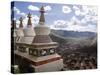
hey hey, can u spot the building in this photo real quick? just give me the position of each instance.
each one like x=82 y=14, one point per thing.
x=29 y=32
x=41 y=56
x=19 y=31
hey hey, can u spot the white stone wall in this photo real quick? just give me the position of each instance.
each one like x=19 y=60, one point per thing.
x=52 y=66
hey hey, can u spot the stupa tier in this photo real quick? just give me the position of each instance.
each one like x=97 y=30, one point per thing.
x=41 y=52
x=19 y=31
x=44 y=49
x=29 y=34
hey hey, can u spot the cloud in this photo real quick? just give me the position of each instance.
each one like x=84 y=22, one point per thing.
x=83 y=21
x=23 y=14
x=47 y=8
x=66 y=9
x=33 y=8
x=74 y=21
x=89 y=13
x=18 y=12
x=85 y=10
x=63 y=24
x=89 y=18
x=74 y=24
x=91 y=10
x=59 y=24
x=34 y=20
x=78 y=12
x=75 y=8
x=82 y=28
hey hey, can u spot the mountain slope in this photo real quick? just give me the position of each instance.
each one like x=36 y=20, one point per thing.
x=70 y=43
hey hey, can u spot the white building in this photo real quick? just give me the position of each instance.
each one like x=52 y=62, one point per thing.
x=29 y=32
x=41 y=54
x=43 y=49
x=19 y=31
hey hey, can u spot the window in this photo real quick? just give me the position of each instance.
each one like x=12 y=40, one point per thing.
x=22 y=49
x=43 y=52
x=30 y=52
x=51 y=50
x=33 y=52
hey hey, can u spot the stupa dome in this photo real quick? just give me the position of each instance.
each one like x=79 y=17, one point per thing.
x=42 y=30
x=29 y=30
x=19 y=31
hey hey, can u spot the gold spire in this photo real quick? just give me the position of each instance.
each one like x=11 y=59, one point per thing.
x=21 y=22
x=42 y=18
x=29 y=19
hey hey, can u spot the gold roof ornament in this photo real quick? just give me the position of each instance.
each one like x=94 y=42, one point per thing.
x=42 y=18
x=29 y=20
x=21 y=22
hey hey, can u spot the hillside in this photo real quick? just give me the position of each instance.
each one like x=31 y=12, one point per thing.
x=73 y=42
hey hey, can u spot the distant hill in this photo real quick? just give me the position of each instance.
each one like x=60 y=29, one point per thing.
x=74 y=34
x=71 y=40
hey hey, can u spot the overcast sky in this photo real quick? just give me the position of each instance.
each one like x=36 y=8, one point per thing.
x=59 y=16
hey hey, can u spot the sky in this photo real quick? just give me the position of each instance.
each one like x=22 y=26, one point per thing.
x=59 y=16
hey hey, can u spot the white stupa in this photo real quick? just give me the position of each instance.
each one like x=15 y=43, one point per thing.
x=41 y=54
x=19 y=31
x=43 y=49
x=29 y=32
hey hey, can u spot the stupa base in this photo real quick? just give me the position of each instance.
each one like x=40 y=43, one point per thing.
x=49 y=67
x=48 y=63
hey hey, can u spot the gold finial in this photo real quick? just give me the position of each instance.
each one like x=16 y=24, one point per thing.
x=42 y=18
x=29 y=15
x=42 y=8
x=21 y=22
x=29 y=19
x=21 y=19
